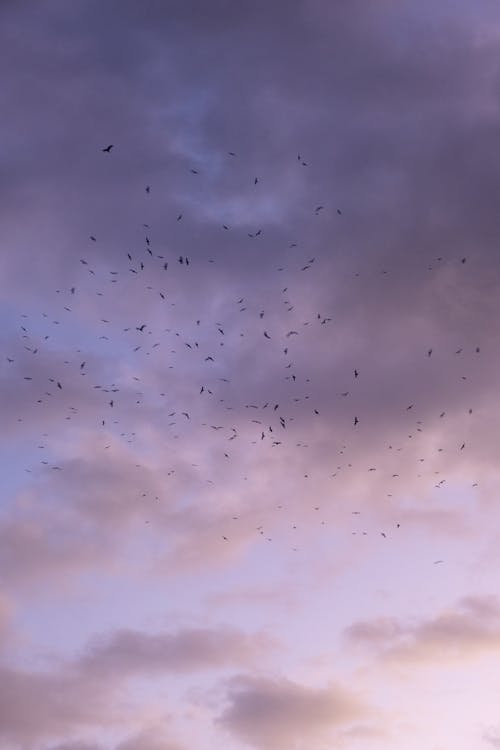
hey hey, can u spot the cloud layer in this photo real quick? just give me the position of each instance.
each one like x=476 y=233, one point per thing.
x=249 y=294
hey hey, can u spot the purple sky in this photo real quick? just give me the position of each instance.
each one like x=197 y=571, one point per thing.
x=249 y=372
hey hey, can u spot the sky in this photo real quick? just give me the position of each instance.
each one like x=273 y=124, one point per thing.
x=249 y=293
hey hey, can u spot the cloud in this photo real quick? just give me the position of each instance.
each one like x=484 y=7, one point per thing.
x=148 y=739
x=129 y=652
x=393 y=108
x=492 y=737
x=6 y=620
x=36 y=705
x=468 y=629
x=82 y=692
x=279 y=713
x=84 y=515
x=402 y=183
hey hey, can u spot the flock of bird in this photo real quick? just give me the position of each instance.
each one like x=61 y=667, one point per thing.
x=213 y=360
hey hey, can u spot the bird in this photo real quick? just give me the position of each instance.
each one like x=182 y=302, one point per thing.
x=107 y=150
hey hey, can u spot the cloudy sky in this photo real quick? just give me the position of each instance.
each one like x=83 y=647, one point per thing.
x=249 y=376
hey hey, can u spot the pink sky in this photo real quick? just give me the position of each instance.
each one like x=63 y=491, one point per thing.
x=250 y=500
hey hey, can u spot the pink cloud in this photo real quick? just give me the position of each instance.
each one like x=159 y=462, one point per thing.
x=469 y=628
x=279 y=713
